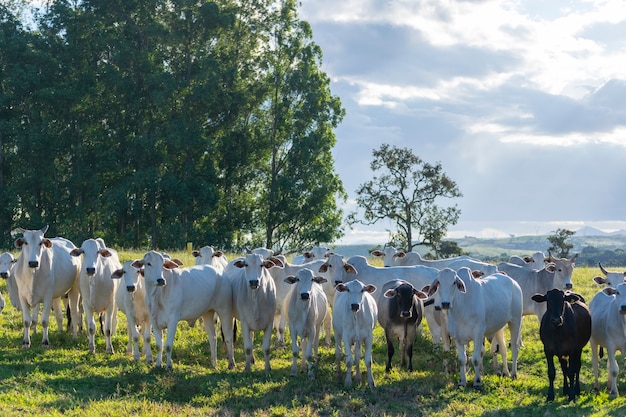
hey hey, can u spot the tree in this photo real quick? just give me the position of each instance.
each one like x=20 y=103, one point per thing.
x=560 y=247
x=406 y=191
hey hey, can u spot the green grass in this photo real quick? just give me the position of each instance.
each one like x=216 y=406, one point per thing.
x=66 y=380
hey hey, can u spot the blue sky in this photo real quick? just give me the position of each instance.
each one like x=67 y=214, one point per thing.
x=522 y=102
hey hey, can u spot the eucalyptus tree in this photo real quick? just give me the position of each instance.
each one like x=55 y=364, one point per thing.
x=406 y=192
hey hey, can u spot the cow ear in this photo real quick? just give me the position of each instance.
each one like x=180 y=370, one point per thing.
x=369 y=288
x=276 y=262
x=117 y=274
x=218 y=253
x=291 y=280
x=599 y=280
x=169 y=264
x=420 y=294
x=76 y=252
x=460 y=285
x=390 y=293
x=137 y=264
x=195 y=253
x=550 y=267
x=240 y=263
x=350 y=269
x=47 y=242
x=377 y=253
x=105 y=253
x=431 y=289
x=609 y=291
x=341 y=287
x=538 y=298
x=323 y=268
x=320 y=280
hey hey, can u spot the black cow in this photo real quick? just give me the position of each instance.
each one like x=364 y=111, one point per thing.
x=400 y=311
x=565 y=330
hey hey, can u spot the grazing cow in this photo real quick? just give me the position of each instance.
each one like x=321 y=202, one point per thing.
x=317 y=252
x=97 y=290
x=393 y=257
x=608 y=330
x=479 y=308
x=306 y=307
x=45 y=271
x=283 y=288
x=254 y=301
x=565 y=329
x=611 y=279
x=354 y=318
x=209 y=256
x=556 y=274
x=174 y=294
x=130 y=299
x=399 y=313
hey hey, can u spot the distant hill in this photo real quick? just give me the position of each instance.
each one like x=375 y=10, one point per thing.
x=592 y=231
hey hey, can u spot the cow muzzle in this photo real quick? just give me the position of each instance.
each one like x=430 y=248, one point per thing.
x=130 y=288
x=557 y=321
x=4 y=275
x=254 y=284
x=406 y=314
x=305 y=296
x=354 y=307
x=91 y=271
x=160 y=282
x=445 y=305
x=569 y=286
x=33 y=264
x=337 y=283
x=622 y=310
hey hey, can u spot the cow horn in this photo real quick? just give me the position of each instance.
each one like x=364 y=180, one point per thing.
x=602 y=269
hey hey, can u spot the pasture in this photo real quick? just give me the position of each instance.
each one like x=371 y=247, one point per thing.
x=66 y=380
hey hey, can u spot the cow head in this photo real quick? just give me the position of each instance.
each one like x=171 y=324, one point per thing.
x=92 y=250
x=387 y=254
x=563 y=269
x=33 y=244
x=556 y=300
x=447 y=284
x=406 y=298
x=619 y=293
x=129 y=274
x=152 y=266
x=354 y=290
x=335 y=267
x=304 y=281
x=612 y=279
x=6 y=263
x=256 y=267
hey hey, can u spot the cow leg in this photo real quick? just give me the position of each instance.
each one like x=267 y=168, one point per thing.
x=147 y=332
x=295 y=351
x=73 y=301
x=328 y=325
x=462 y=356
x=228 y=334
x=368 y=361
x=357 y=361
x=613 y=372
x=280 y=323
x=551 y=375
x=409 y=346
x=110 y=321
x=158 y=339
x=390 y=349
x=169 y=341
x=338 y=353
x=501 y=344
x=575 y=364
x=349 y=362
x=310 y=361
x=45 y=322
x=209 y=327
x=133 y=338
x=594 y=364
x=514 y=329
x=402 y=349
x=58 y=313
x=27 y=322
x=91 y=327
x=477 y=361
x=567 y=378
x=267 y=340
x=247 y=345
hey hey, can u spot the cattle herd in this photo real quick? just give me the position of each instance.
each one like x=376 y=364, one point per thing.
x=461 y=299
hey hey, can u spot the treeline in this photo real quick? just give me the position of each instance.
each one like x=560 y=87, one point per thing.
x=154 y=123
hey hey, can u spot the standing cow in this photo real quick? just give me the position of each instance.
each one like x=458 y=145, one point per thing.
x=479 y=308
x=354 y=318
x=306 y=307
x=400 y=311
x=97 y=290
x=565 y=329
x=130 y=299
x=254 y=301
x=45 y=271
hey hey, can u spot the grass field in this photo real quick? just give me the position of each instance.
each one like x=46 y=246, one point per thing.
x=66 y=380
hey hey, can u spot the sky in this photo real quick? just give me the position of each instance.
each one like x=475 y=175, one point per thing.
x=522 y=102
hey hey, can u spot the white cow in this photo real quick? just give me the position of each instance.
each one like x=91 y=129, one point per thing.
x=7 y=261
x=317 y=252
x=354 y=317
x=97 y=289
x=393 y=257
x=174 y=294
x=556 y=274
x=608 y=329
x=306 y=306
x=479 y=309
x=130 y=299
x=536 y=261
x=209 y=256
x=357 y=267
x=611 y=279
x=254 y=301
x=282 y=289
x=45 y=271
